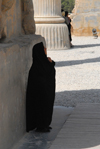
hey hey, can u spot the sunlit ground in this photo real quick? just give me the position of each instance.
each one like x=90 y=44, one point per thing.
x=78 y=72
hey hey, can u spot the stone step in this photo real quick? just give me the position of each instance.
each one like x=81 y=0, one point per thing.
x=81 y=130
x=35 y=140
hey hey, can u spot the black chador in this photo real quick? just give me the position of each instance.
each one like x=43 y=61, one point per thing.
x=40 y=91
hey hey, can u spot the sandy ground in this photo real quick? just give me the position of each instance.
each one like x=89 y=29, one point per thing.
x=78 y=72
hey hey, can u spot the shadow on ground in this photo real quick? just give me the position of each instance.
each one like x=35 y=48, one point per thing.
x=36 y=140
x=62 y=113
x=77 y=62
x=72 y=98
x=86 y=46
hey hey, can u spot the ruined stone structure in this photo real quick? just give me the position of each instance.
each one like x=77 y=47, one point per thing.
x=17 y=38
x=16 y=17
x=16 y=20
x=86 y=16
x=50 y=24
x=16 y=43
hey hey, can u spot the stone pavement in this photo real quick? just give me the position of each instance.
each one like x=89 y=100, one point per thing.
x=35 y=140
x=81 y=130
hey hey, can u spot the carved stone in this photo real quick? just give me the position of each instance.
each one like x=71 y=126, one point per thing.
x=16 y=20
x=28 y=17
x=6 y=5
x=16 y=17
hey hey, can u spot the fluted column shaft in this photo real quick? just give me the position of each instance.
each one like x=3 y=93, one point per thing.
x=50 y=23
x=47 y=8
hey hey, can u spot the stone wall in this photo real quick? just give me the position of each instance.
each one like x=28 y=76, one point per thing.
x=86 y=16
x=16 y=20
x=10 y=18
x=15 y=61
x=16 y=17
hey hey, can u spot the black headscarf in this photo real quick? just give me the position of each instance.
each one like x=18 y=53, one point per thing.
x=40 y=61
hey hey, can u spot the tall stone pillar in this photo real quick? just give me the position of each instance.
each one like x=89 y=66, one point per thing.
x=50 y=24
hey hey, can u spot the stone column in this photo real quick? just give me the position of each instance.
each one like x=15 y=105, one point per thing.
x=50 y=24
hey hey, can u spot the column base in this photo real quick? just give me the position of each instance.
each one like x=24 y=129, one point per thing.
x=56 y=35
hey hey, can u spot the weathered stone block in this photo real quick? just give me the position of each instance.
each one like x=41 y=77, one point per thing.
x=10 y=18
x=16 y=20
x=86 y=16
x=78 y=21
x=16 y=17
x=15 y=61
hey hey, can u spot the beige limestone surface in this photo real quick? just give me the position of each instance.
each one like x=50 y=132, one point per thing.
x=86 y=16
x=15 y=61
x=28 y=23
x=16 y=17
x=16 y=20
x=10 y=14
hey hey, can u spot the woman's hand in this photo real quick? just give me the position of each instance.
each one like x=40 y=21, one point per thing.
x=45 y=51
x=50 y=60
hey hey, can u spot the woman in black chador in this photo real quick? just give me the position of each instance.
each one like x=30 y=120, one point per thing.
x=40 y=91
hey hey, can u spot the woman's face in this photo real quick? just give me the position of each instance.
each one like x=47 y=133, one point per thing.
x=45 y=51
